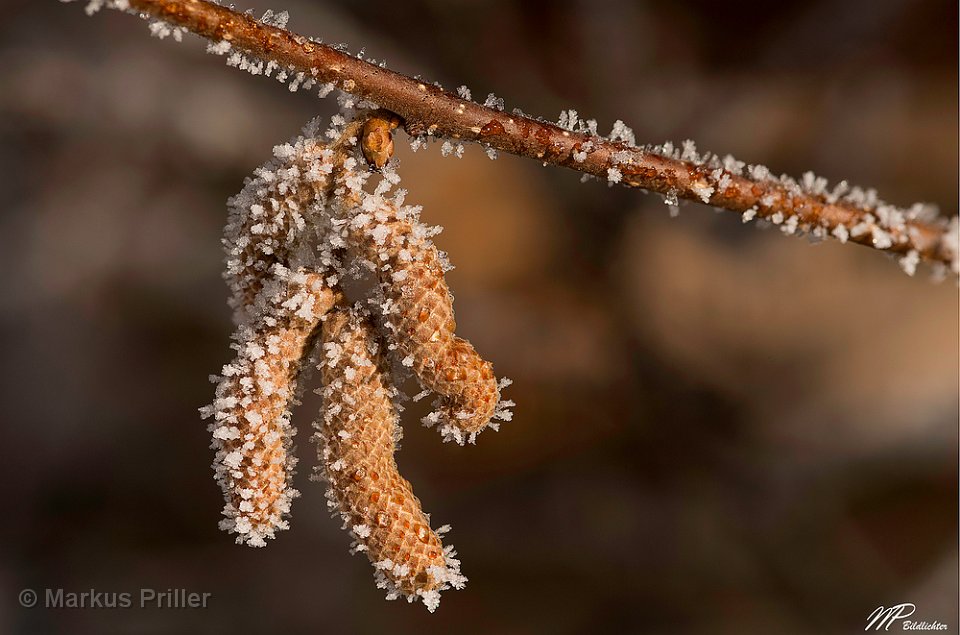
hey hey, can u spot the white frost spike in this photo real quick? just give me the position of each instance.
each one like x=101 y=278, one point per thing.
x=702 y=189
x=160 y=30
x=492 y=101
x=325 y=89
x=622 y=133
x=278 y=20
x=909 y=262
x=790 y=226
x=220 y=48
x=881 y=239
x=689 y=152
x=95 y=5
x=568 y=120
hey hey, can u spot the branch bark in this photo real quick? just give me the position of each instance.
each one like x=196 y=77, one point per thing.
x=429 y=110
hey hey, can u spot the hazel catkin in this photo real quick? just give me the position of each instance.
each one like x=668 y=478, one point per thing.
x=278 y=215
x=251 y=430
x=357 y=433
x=418 y=313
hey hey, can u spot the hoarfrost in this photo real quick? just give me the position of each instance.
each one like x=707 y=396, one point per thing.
x=492 y=101
x=909 y=262
x=702 y=189
x=622 y=133
x=568 y=120
x=278 y=20
x=790 y=226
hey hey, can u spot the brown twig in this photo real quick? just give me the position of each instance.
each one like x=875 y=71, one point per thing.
x=426 y=109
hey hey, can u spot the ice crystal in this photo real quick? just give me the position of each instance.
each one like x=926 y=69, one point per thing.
x=492 y=101
x=789 y=227
x=702 y=189
x=278 y=20
x=568 y=120
x=909 y=262
x=671 y=198
x=622 y=133
x=160 y=30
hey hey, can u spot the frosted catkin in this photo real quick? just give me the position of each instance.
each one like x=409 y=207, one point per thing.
x=278 y=216
x=357 y=433
x=418 y=314
x=252 y=434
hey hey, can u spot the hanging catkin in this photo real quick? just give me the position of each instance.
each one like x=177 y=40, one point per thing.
x=416 y=303
x=277 y=217
x=357 y=433
x=251 y=430
x=288 y=232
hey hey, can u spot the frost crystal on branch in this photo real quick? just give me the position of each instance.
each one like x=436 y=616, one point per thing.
x=263 y=47
x=93 y=6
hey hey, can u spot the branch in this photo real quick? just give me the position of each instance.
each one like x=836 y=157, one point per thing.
x=843 y=212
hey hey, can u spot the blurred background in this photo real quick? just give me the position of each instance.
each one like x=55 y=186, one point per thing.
x=719 y=429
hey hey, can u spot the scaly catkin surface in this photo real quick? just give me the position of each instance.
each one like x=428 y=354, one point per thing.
x=251 y=430
x=277 y=216
x=272 y=226
x=418 y=312
x=357 y=434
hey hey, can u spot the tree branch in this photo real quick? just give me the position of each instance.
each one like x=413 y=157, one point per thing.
x=843 y=212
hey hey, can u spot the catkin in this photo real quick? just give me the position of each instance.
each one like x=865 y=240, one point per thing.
x=357 y=434
x=277 y=217
x=286 y=236
x=272 y=227
x=251 y=430
x=418 y=314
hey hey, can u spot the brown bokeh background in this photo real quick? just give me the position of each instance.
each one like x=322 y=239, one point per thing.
x=719 y=429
